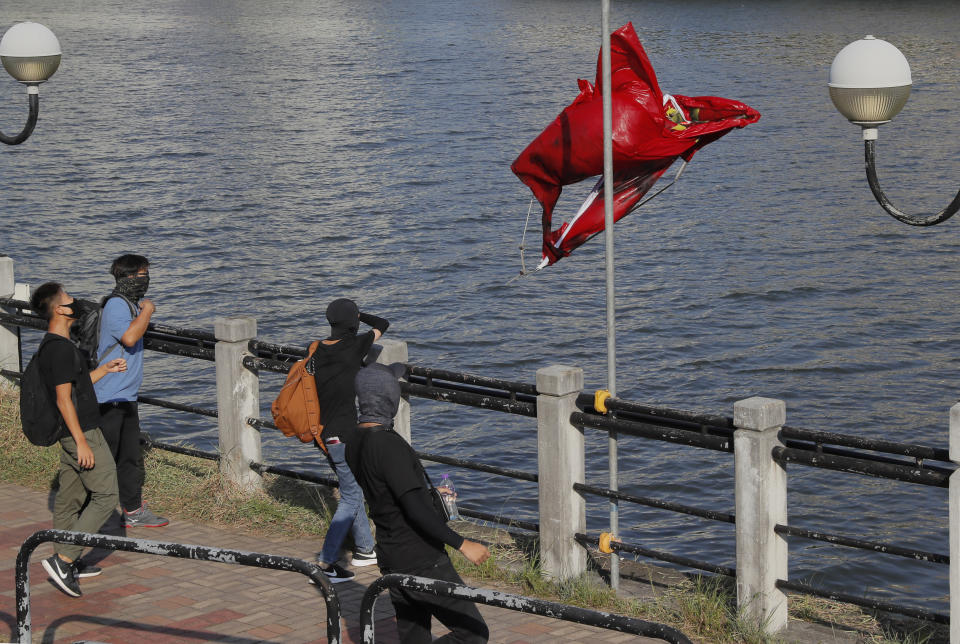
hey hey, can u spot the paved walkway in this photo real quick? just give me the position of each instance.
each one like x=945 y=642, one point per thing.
x=149 y=598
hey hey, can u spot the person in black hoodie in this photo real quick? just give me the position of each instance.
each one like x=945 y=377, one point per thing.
x=335 y=364
x=410 y=533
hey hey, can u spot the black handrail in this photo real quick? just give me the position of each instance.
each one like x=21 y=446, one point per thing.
x=890 y=447
x=655 y=503
x=608 y=621
x=908 y=474
x=619 y=546
x=873 y=604
x=167 y=549
x=850 y=542
x=656 y=432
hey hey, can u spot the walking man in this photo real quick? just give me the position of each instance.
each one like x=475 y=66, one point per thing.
x=410 y=533
x=86 y=466
x=126 y=315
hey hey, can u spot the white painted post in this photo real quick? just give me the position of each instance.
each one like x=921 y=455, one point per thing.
x=238 y=398
x=560 y=465
x=954 y=518
x=9 y=336
x=761 y=503
x=396 y=351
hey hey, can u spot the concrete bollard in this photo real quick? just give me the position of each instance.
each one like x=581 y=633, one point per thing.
x=238 y=398
x=954 y=519
x=560 y=464
x=396 y=351
x=9 y=335
x=761 y=503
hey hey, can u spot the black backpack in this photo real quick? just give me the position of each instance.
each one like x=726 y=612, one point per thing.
x=85 y=332
x=39 y=416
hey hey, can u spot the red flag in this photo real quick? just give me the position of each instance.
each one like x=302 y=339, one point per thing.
x=650 y=131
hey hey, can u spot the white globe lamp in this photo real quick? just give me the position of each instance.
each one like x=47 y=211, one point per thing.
x=31 y=54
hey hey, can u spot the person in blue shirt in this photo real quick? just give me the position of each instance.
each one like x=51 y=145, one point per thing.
x=124 y=321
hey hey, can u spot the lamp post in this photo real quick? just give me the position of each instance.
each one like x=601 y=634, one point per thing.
x=869 y=84
x=31 y=54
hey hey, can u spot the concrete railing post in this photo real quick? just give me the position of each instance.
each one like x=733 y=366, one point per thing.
x=560 y=465
x=9 y=335
x=396 y=351
x=761 y=503
x=954 y=519
x=238 y=398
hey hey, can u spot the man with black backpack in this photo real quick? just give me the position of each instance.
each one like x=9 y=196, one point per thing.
x=86 y=466
x=124 y=321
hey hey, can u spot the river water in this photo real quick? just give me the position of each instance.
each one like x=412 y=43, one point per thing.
x=270 y=157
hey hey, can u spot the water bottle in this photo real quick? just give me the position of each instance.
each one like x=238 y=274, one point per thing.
x=449 y=495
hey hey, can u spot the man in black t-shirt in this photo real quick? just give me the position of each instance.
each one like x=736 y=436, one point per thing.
x=410 y=534
x=87 y=492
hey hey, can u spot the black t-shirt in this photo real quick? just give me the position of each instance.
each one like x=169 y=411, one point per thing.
x=61 y=362
x=335 y=367
x=386 y=467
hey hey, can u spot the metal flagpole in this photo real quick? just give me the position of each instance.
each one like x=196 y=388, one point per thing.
x=611 y=302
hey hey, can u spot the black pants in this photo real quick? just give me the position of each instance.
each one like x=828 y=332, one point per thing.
x=120 y=424
x=414 y=610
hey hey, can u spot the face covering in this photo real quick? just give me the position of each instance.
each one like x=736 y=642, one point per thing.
x=343 y=317
x=134 y=287
x=77 y=308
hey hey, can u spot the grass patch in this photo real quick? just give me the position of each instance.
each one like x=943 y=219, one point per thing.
x=181 y=487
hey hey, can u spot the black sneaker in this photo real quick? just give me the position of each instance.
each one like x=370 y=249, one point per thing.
x=361 y=559
x=336 y=574
x=63 y=575
x=86 y=570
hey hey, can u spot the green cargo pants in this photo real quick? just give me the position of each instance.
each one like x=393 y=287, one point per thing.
x=100 y=482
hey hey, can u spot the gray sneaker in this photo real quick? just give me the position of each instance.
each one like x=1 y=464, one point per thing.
x=142 y=517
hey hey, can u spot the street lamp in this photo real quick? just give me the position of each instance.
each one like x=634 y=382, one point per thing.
x=869 y=84
x=31 y=54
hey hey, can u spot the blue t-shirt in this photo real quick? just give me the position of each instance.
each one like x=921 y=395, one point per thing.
x=123 y=385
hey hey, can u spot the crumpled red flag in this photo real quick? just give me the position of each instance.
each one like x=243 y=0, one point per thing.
x=650 y=131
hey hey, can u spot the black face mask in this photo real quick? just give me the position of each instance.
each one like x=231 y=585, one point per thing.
x=77 y=308
x=134 y=287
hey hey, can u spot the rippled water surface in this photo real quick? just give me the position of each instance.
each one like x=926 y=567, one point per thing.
x=270 y=157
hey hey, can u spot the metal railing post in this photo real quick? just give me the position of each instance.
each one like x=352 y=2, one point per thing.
x=238 y=398
x=954 y=520
x=560 y=463
x=396 y=351
x=9 y=335
x=761 y=503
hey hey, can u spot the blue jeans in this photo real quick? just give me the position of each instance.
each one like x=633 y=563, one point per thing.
x=350 y=514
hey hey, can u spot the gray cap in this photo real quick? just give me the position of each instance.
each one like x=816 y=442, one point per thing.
x=378 y=392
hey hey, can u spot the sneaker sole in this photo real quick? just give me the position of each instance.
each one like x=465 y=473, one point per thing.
x=55 y=578
x=332 y=580
x=85 y=575
x=360 y=563
x=145 y=525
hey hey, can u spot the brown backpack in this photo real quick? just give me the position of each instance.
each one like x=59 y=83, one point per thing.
x=296 y=411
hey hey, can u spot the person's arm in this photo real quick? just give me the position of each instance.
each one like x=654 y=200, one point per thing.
x=418 y=509
x=115 y=365
x=379 y=324
x=138 y=326
x=69 y=413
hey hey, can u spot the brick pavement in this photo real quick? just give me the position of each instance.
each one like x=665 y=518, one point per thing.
x=149 y=598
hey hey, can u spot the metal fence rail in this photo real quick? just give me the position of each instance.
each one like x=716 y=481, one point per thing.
x=656 y=432
x=686 y=562
x=850 y=542
x=873 y=604
x=167 y=549
x=608 y=621
x=656 y=503
x=905 y=473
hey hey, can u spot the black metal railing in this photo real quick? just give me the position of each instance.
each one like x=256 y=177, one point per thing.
x=167 y=549
x=608 y=621
x=811 y=448
x=872 y=604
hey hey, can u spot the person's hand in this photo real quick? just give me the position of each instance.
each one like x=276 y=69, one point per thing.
x=147 y=306
x=115 y=365
x=475 y=552
x=85 y=456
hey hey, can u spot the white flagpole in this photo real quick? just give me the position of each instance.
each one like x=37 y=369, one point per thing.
x=611 y=301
